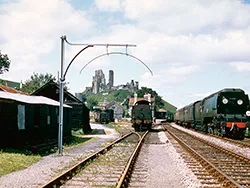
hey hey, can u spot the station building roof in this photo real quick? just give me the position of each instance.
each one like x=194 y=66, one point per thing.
x=10 y=90
x=29 y=99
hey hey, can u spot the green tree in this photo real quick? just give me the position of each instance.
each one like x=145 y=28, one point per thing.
x=91 y=102
x=158 y=100
x=4 y=63
x=36 y=81
x=2 y=82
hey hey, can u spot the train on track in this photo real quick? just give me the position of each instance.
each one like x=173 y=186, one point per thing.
x=141 y=116
x=224 y=113
x=164 y=115
x=104 y=116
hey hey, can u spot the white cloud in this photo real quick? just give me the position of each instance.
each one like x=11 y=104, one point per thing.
x=109 y=5
x=167 y=78
x=241 y=66
x=32 y=31
x=194 y=16
x=174 y=38
x=181 y=71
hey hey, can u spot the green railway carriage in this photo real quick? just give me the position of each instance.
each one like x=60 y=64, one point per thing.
x=197 y=115
x=182 y=116
x=177 y=117
x=104 y=115
x=188 y=115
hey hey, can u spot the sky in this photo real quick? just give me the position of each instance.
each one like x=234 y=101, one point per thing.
x=193 y=47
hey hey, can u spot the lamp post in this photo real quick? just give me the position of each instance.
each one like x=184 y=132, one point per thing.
x=62 y=80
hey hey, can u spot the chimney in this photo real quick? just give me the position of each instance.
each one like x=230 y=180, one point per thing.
x=135 y=98
x=149 y=97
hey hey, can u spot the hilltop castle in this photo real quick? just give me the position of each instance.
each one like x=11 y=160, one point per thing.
x=99 y=84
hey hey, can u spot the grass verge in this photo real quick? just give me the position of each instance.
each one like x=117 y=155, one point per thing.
x=12 y=160
x=75 y=140
x=15 y=160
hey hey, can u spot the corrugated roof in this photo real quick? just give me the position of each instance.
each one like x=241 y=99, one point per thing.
x=30 y=99
x=11 y=90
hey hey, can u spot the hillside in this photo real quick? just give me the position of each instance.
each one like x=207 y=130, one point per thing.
x=120 y=96
x=169 y=106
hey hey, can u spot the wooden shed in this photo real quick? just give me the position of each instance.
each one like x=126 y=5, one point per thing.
x=30 y=119
x=80 y=113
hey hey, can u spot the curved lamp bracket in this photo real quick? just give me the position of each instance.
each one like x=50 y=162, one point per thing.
x=74 y=59
x=117 y=53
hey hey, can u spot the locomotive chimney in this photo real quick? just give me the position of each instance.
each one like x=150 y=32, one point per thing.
x=135 y=98
x=149 y=97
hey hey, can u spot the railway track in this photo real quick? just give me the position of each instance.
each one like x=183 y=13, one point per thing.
x=140 y=175
x=110 y=167
x=241 y=143
x=213 y=165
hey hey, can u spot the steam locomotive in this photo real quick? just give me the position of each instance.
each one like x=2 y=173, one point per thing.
x=224 y=113
x=141 y=116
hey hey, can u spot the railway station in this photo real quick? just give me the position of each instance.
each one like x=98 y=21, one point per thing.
x=122 y=93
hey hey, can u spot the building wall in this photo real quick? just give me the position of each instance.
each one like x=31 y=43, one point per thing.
x=80 y=113
x=40 y=124
x=118 y=110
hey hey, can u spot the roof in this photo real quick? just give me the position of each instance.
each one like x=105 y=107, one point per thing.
x=29 y=99
x=131 y=101
x=11 y=84
x=225 y=90
x=11 y=90
x=113 y=103
x=50 y=83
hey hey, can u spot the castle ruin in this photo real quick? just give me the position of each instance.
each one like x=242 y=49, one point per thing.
x=99 y=83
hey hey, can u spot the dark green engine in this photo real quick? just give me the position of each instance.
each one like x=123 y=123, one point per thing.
x=104 y=116
x=223 y=113
x=141 y=116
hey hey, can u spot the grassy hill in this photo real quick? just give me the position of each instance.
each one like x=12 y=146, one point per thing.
x=169 y=106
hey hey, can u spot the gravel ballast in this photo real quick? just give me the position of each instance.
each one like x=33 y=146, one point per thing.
x=243 y=151
x=166 y=168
